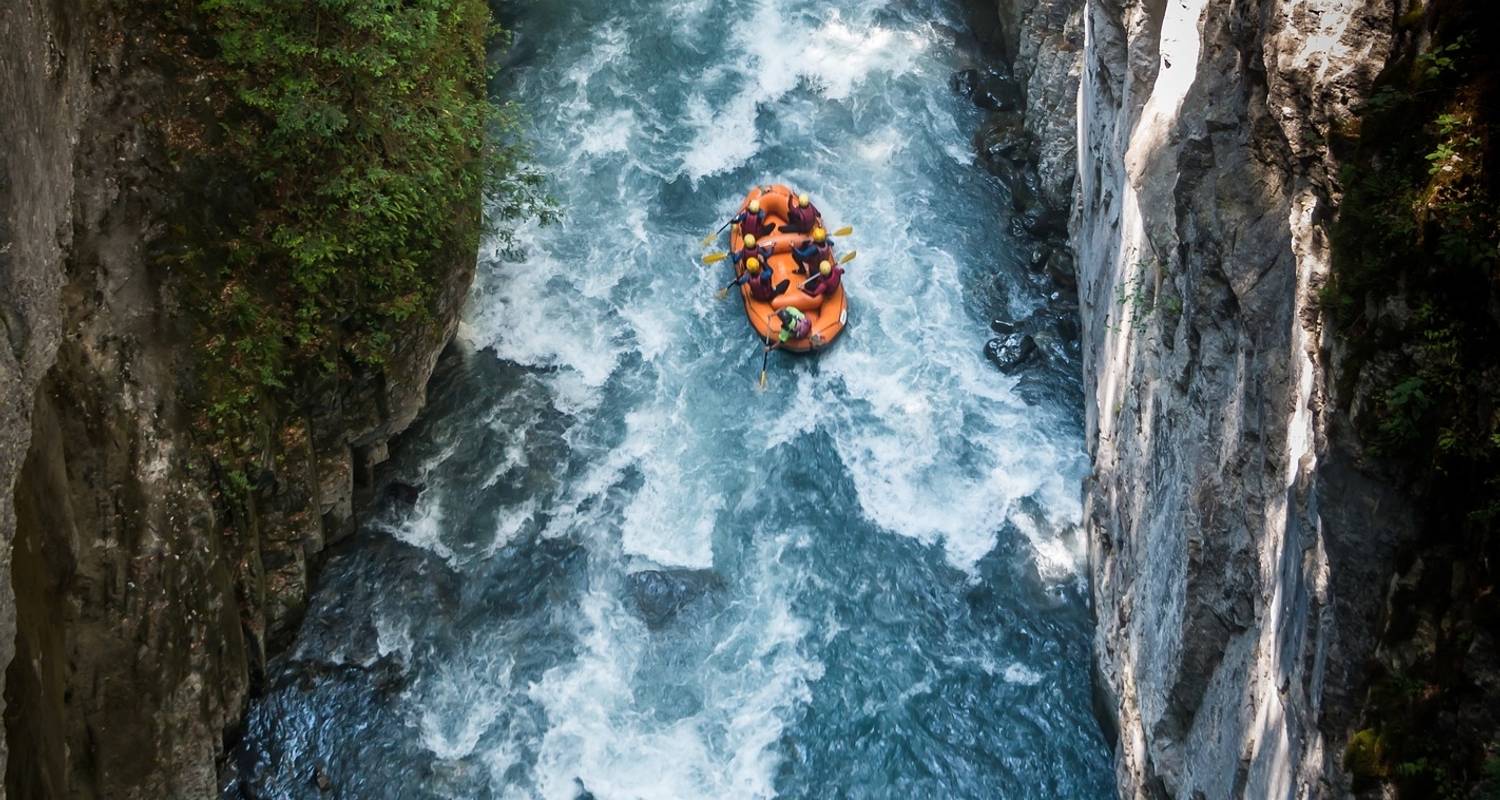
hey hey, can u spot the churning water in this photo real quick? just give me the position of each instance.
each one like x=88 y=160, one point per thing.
x=632 y=574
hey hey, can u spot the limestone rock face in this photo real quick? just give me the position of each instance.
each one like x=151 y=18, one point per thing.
x=1239 y=552
x=1043 y=39
x=141 y=613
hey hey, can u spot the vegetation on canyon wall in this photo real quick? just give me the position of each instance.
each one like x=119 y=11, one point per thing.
x=1417 y=265
x=341 y=150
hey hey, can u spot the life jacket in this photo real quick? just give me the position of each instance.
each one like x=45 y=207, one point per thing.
x=753 y=224
x=811 y=254
x=760 y=286
x=803 y=218
x=762 y=253
x=826 y=286
x=800 y=326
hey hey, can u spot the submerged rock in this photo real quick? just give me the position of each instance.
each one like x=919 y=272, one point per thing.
x=659 y=595
x=1011 y=352
x=402 y=492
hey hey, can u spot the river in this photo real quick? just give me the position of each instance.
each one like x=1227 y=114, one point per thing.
x=633 y=574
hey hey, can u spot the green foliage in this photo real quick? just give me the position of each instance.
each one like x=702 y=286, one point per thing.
x=1416 y=251
x=1138 y=302
x=1364 y=758
x=1491 y=777
x=1443 y=59
x=360 y=144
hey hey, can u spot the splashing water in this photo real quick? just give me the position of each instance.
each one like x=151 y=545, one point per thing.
x=632 y=574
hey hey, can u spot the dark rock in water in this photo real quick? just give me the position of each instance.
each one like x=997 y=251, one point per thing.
x=1011 y=352
x=964 y=82
x=1038 y=219
x=659 y=595
x=1060 y=268
x=987 y=90
x=1002 y=327
x=583 y=791
x=1002 y=142
x=402 y=492
x=321 y=779
x=1067 y=328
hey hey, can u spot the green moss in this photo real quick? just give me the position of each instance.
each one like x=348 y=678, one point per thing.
x=1364 y=758
x=351 y=146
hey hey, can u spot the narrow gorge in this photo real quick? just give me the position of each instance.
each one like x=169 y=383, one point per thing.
x=369 y=426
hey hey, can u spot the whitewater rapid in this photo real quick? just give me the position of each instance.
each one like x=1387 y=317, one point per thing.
x=884 y=577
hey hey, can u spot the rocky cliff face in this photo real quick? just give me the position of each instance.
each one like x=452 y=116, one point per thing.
x=143 y=604
x=1239 y=552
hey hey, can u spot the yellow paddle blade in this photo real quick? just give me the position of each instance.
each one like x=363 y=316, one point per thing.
x=708 y=240
x=723 y=293
x=844 y=231
x=849 y=256
x=714 y=258
x=762 y=379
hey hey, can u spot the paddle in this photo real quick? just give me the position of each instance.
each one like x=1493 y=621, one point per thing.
x=765 y=359
x=714 y=258
x=849 y=256
x=844 y=231
x=707 y=240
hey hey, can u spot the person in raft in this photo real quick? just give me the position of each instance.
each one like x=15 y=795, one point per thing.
x=826 y=281
x=794 y=325
x=750 y=251
x=752 y=221
x=759 y=279
x=814 y=250
x=802 y=215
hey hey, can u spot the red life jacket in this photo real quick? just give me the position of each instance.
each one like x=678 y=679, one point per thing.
x=826 y=286
x=760 y=286
x=753 y=224
x=803 y=218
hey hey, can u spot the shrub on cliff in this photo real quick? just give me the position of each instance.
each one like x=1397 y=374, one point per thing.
x=353 y=142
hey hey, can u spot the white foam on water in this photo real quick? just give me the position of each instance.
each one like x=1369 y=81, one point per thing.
x=774 y=53
x=455 y=707
x=1020 y=674
x=423 y=528
x=610 y=134
x=540 y=313
x=393 y=635
x=750 y=680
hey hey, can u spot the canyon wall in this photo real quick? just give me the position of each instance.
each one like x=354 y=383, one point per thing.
x=1241 y=552
x=1239 y=556
x=144 y=603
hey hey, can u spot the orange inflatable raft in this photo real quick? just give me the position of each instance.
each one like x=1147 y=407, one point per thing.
x=828 y=314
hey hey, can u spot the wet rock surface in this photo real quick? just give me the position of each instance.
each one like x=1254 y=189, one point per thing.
x=659 y=595
x=1011 y=352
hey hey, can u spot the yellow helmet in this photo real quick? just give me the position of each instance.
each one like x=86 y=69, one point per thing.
x=753 y=264
x=820 y=235
x=755 y=206
x=804 y=200
x=825 y=268
x=749 y=240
